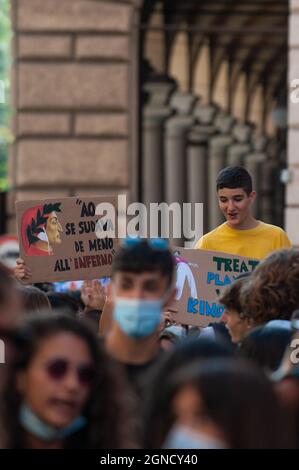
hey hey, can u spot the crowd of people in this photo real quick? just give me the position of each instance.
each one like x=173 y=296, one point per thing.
x=110 y=368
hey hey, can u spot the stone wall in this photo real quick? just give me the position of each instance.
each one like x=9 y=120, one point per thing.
x=74 y=91
x=292 y=194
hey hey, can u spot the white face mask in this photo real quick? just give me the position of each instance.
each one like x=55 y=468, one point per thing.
x=45 y=432
x=182 y=437
x=138 y=318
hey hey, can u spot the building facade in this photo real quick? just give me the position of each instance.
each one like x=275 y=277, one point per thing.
x=81 y=122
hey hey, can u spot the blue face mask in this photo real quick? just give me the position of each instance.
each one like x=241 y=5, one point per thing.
x=137 y=318
x=45 y=432
x=181 y=437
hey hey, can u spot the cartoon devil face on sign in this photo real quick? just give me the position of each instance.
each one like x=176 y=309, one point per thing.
x=41 y=229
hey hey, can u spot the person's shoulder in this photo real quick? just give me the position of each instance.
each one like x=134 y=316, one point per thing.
x=205 y=239
x=278 y=233
x=274 y=229
x=271 y=227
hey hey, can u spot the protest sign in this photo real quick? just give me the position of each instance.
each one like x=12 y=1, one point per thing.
x=64 y=239
x=9 y=250
x=200 y=277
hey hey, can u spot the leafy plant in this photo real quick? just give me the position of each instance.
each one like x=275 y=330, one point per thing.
x=5 y=112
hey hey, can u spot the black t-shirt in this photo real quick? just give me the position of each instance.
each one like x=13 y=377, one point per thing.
x=139 y=374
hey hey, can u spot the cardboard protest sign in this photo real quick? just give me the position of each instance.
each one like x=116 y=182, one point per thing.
x=64 y=239
x=200 y=277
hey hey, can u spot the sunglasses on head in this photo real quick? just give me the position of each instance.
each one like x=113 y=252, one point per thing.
x=58 y=368
x=154 y=243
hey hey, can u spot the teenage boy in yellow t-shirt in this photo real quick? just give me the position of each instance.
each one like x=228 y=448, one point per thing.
x=241 y=234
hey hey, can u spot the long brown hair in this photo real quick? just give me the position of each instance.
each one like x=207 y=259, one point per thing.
x=236 y=396
x=106 y=412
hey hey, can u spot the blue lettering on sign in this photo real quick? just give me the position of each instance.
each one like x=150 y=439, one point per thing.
x=203 y=307
x=191 y=308
x=214 y=278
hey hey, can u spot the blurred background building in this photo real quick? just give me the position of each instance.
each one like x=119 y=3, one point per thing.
x=151 y=98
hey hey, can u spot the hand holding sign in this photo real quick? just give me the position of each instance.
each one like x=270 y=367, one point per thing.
x=169 y=316
x=21 y=271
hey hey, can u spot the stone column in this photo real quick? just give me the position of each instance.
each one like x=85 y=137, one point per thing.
x=218 y=147
x=241 y=145
x=276 y=154
x=175 y=147
x=154 y=114
x=197 y=158
x=253 y=163
x=176 y=129
x=267 y=191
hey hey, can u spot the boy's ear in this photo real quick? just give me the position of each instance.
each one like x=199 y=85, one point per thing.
x=252 y=195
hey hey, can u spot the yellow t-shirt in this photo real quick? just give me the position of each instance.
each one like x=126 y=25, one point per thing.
x=256 y=243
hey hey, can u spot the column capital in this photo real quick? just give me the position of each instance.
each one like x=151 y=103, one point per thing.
x=242 y=133
x=219 y=141
x=259 y=142
x=183 y=103
x=224 y=122
x=156 y=109
x=205 y=114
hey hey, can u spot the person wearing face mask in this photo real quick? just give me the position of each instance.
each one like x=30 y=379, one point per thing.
x=142 y=285
x=62 y=391
x=221 y=403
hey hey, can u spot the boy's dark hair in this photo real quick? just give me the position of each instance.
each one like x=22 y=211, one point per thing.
x=230 y=296
x=233 y=177
x=265 y=346
x=64 y=302
x=142 y=257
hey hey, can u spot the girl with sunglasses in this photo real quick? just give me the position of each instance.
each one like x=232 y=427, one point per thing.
x=62 y=391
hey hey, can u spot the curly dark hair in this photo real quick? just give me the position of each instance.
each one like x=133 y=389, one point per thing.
x=105 y=409
x=272 y=289
x=230 y=296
